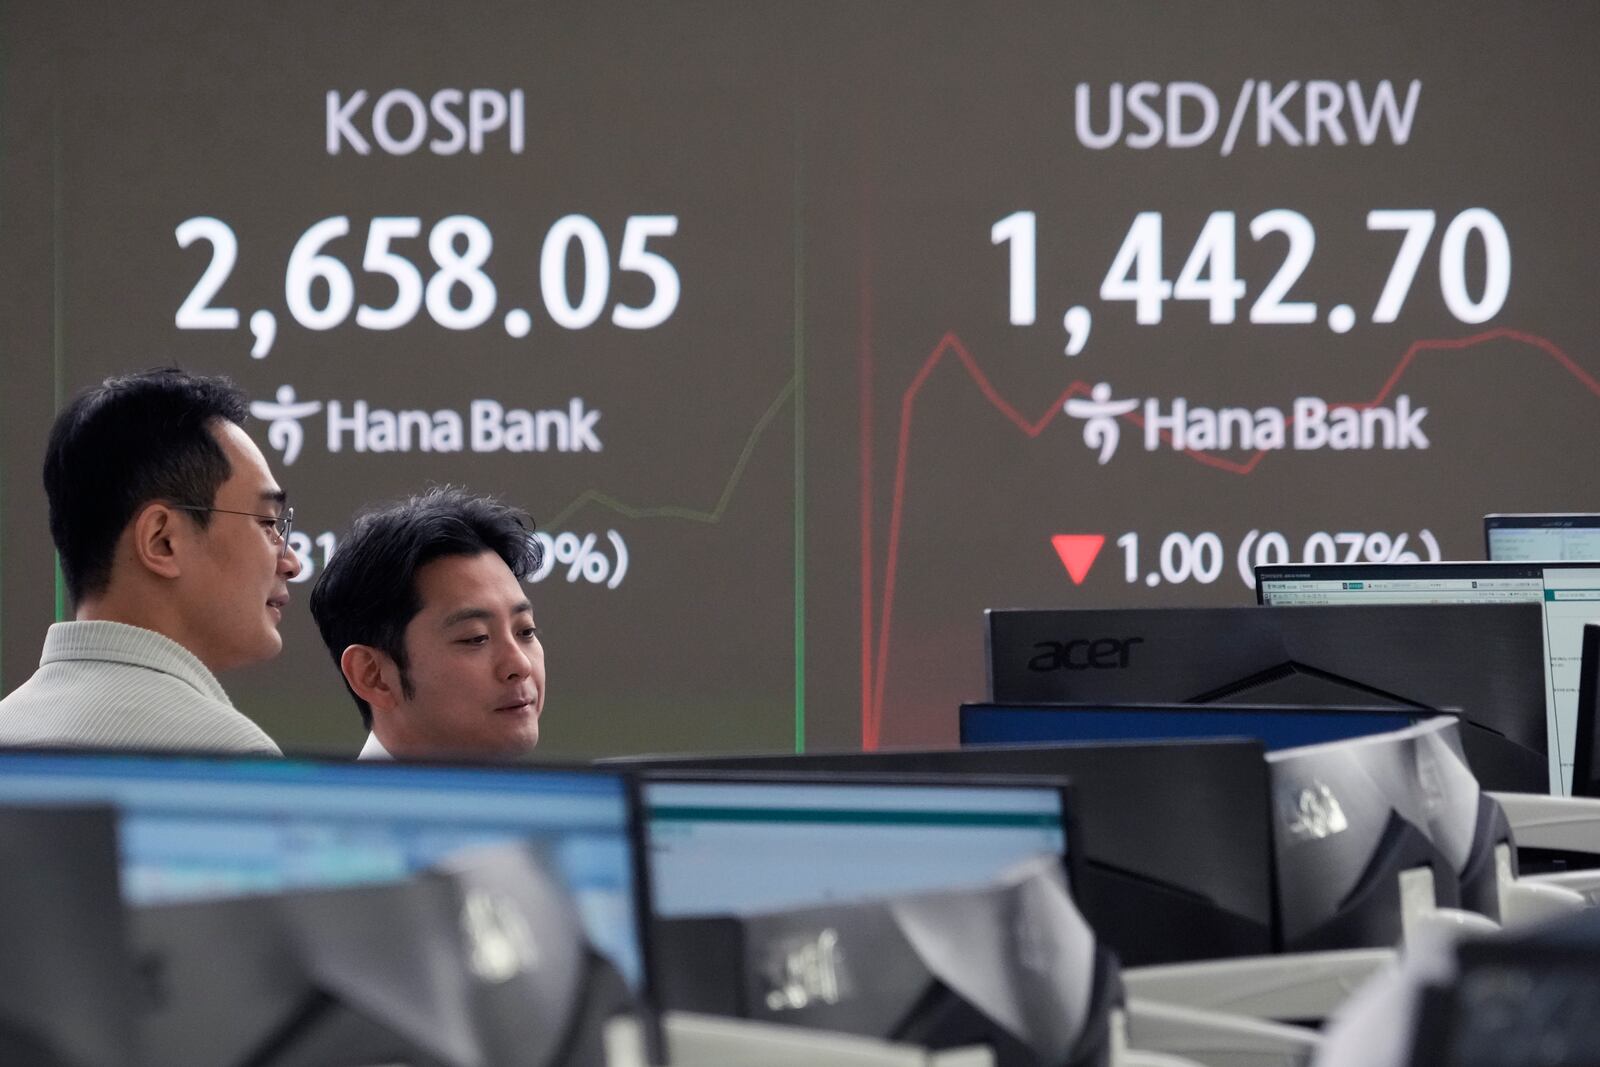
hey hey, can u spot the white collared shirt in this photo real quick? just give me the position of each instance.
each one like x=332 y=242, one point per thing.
x=374 y=750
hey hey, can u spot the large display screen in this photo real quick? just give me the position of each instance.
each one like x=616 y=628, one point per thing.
x=808 y=331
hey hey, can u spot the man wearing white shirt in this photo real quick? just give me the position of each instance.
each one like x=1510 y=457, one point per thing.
x=423 y=611
x=173 y=540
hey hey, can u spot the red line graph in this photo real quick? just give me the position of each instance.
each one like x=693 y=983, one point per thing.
x=864 y=357
x=872 y=709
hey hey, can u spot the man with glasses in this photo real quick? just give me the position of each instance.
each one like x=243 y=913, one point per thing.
x=173 y=541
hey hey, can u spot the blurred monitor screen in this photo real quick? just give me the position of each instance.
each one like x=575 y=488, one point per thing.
x=193 y=828
x=1524 y=538
x=738 y=846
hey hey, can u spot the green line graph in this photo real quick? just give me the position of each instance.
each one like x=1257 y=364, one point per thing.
x=798 y=382
x=678 y=511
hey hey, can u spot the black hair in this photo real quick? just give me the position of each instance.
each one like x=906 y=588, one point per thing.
x=367 y=593
x=124 y=443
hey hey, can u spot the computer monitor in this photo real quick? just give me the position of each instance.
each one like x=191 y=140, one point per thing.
x=1567 y=593
x=1465 y=824
x=1274 y=727
x=1482 y=661
x=483 y=960
x=539 y=992
x=199 y=827
x=1534 y=537
x=1352 y=842
x=734 y=852
x=1523 y=997
x=66 y=989
x=1174 y=853
x=739 y=842
x=1011 y=966
x=296 y=978
x=1586 y=747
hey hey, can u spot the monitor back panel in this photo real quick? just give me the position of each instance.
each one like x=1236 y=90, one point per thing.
x=1484 y=661
x=1586 y=750
x=1175 y=840
x=1567 y=592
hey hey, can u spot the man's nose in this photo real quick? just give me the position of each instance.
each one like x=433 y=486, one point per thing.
x=516 y=663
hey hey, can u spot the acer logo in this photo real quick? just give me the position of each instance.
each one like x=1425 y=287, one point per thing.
x=1101 y=654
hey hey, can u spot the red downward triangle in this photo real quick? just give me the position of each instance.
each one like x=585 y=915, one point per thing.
x=1078 y=552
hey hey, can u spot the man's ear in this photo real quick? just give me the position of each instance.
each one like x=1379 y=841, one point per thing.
x=372 y=675
x=156 y=534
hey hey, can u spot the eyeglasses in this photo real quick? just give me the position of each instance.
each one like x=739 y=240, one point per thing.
x=281 y=524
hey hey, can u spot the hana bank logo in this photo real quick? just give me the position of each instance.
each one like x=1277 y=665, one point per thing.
x=1100 y=414
x=1308 y=424
x=484 y=426
x=284 y=431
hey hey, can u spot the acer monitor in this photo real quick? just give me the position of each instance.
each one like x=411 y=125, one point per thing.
x=66 y=990
x=1586 y=750
x=1274 y=727
x=483 y=960
x=1567 y=593
x=1174 y=853
x=1544 y=536
x=202 y=827
x=1481 y=661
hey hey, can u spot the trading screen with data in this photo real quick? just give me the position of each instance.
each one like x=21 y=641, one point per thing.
x=1568 y=592
x=806 y=332
x=1517 y=538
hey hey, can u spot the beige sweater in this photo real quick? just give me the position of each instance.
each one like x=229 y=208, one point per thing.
x=110 y=685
